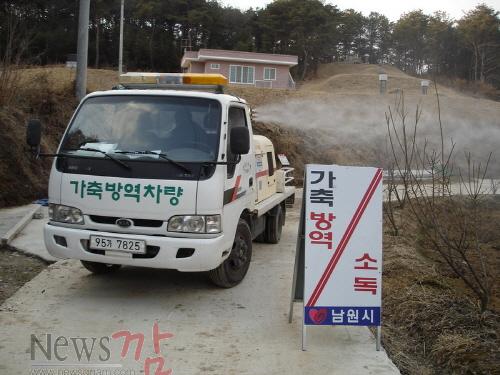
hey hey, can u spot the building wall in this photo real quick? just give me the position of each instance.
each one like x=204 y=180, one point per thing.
x=196 y=67
x=282 y=73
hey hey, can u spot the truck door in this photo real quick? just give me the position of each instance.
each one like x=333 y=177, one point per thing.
x=240 y=179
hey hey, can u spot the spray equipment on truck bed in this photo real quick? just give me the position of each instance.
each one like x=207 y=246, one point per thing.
x=173 y=81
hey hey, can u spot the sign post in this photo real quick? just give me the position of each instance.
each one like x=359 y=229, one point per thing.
x=338 y=265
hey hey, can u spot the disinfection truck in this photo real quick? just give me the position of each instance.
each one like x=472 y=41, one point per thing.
x=164 y=171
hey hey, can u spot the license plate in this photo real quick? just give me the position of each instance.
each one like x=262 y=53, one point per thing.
x=117 y=244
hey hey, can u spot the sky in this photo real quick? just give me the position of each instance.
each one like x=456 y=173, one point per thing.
x=390 y=8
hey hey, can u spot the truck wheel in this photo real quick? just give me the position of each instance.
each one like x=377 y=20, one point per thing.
x=235 y=267
x=100 y=268
x=274 y=226
x=261 y=238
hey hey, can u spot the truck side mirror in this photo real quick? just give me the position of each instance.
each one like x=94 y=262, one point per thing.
x=34 y=135
x=240 y=140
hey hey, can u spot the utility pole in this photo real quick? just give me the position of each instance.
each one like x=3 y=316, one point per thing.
x=82 y=49
x=120 y=53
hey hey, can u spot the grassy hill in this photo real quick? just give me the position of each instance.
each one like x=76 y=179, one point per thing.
x=362 y=79
x=337 y=117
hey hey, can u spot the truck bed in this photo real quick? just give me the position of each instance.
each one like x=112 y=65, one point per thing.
x=273 y=200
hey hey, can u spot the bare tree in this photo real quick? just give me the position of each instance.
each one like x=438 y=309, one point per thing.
x=450 y=223
x=389 y=204
x=494 y=184
x=402 y=143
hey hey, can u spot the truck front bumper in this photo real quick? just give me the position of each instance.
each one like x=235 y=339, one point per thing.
x=162 y=252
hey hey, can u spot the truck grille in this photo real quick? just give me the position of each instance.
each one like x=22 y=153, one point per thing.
x=137 y=222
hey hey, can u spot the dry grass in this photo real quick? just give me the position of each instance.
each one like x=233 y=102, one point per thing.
x=61 y=77
x=329 y=70
x=22 y=178
x=8 y=84
x=363 y=79
x=256 y=97
x=475 y=89
x=432 y=323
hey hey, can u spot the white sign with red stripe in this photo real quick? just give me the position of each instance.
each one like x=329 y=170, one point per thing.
x=343 y=245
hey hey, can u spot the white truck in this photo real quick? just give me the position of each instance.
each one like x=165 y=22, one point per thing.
x=152 y=174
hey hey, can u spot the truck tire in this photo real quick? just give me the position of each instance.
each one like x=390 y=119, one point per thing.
x=100 y=268
x=235 y=267
x=274 y=226
x=261 y=238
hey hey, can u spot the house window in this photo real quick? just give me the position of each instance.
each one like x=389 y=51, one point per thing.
x=215 y=66
x=270 y=74
x=241 y=74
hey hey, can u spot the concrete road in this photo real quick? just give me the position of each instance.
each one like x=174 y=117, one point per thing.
x=30 y=239
x=243 y=330
x=10 y=216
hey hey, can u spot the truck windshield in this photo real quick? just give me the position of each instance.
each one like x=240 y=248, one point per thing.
x=139 y=126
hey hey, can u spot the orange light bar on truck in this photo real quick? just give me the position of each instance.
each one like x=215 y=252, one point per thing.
x=204 y=79
x=173 y=79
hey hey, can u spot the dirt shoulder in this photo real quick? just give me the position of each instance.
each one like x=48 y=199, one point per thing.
x=16 y=269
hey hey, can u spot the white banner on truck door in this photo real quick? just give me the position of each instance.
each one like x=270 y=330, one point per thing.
x=343 y=245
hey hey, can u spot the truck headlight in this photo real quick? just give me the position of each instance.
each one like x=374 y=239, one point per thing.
x=195 y=224
x=213 y=224
x=65 y=214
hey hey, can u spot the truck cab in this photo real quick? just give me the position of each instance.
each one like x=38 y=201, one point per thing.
x=154 y=175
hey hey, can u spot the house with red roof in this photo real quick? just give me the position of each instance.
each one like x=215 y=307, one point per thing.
x=243 y=68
